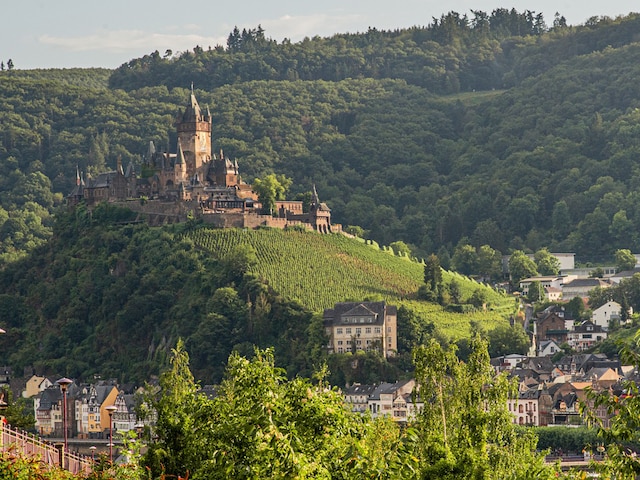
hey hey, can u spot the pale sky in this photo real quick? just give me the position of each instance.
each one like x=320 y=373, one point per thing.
x=108 y=33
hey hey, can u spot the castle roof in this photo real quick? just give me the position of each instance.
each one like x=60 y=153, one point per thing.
x=193 y=113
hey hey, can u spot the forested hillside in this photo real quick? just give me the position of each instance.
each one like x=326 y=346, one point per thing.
x=498 y=129
x=106 y=298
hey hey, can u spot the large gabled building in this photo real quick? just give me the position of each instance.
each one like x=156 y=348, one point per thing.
x=367 y=326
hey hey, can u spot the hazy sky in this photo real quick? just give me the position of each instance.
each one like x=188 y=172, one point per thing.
x=107 y=33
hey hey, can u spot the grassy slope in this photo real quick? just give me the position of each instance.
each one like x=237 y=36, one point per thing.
x=320 y=270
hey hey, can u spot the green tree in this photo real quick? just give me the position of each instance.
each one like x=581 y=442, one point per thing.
x=465 y=259
x=599 y=296
x=176 y=450
x=433 y=274
x=489 y=262
x=625 y=260
x=507 y=339
x=465 y=429
x=521 y=266
x=620 y=462
x=355 y=230
x=270 y=188
x=400 y=248
x=546 y=263
x=238 y=262
x=19 y=413
x=536 y=292
x=261 y=425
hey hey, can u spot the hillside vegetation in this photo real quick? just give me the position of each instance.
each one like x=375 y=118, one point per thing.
x=321 y=270
x=99 y=298
x=499 y=129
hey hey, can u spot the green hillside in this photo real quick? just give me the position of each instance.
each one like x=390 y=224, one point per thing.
x=109 y=299
x=513 y=134
x=321 y=270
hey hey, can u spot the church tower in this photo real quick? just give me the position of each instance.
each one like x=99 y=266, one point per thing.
x=194 y=136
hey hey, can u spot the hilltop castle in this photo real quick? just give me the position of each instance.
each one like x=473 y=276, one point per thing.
x=193 y=180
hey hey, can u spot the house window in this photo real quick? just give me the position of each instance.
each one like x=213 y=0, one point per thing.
x=367 y=330
x=348 y=342
x=339 y=331
x=388 y=329
x=520 y=409
x=348 y=331
x=378 y=330
x=586 y=336
x=339 y=342
x=340 y=350
x=358 y=331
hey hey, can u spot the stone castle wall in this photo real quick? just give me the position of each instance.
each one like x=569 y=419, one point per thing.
x=160 y=212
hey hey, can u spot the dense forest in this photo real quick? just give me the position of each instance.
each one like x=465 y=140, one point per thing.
x=494 y=129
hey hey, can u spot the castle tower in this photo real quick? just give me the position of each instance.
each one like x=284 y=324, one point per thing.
x=194 y=134
x=319 y=214
x=226 y=172
x=180 y=168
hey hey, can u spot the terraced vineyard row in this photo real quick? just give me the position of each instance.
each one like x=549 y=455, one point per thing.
x=320 y=270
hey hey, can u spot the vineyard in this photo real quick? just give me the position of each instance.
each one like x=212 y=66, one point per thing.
x=320 y=270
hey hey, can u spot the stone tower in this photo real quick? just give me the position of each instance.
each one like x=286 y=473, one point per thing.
x=194 y=136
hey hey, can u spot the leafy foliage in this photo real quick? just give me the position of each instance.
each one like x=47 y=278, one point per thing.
x=465 y=427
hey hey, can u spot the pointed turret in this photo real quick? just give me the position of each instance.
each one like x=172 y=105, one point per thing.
x=193 y=113
x=180 y=155
x=151 y=151
x=131 y=170
x=77 y=175
x=315 y=200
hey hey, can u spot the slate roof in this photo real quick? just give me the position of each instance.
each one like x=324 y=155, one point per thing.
x=349 y=309
x=359 y=389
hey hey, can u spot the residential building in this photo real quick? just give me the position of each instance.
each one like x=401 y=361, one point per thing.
x=545 y=281
x=36 y=385
x=526 y=408
x=580 y=287
x=367 y=326
x=553 y=294
x=585 y=335
x=553 y=323
x=357 y=396
x=547 y=348
x=605 y=314
x=393 y=399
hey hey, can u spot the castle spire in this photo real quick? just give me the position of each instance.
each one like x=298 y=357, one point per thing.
x=180 y=155
x=315 y=200
x=119 y=166
x=77 y=175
